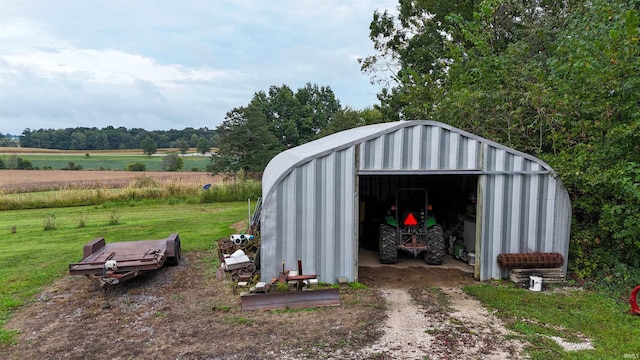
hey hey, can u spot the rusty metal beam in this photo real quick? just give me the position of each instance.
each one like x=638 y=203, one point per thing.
x=291 y=300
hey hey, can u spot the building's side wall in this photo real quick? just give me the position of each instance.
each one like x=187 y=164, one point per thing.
x=312 y=212
x=520 y=211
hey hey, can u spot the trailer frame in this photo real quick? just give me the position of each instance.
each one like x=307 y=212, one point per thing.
x=113 y=263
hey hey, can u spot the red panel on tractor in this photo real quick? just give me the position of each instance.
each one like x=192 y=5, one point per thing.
x=410 y=220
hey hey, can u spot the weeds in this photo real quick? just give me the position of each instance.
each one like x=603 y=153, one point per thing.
x=237 y=320
x=114 y=217
x=50 y=222
x=82 y=221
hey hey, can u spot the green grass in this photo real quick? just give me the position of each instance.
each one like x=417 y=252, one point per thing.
x=614 y=332
x=106 y=161
x=32 y=258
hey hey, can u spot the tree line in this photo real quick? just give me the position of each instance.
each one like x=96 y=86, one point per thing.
x=111 y=138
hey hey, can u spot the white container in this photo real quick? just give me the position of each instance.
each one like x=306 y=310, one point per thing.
x=535 y=283
x=472 y=258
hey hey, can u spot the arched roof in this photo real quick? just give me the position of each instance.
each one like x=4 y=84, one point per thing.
x=287 y=160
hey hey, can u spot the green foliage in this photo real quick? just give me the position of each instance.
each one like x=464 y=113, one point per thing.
x=72 y=166
x=183 y=145
x=136 y=166
x=148 y=146
x=295 y=118
x=21 y=164
x=357 y=286
x=112 y=161
x=108 y=138
x=348 y=119
x=245 y=142
x=172 y=162
x=203 y=145
x=236 y=191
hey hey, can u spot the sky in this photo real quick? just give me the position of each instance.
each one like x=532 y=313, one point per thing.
x=173 y=64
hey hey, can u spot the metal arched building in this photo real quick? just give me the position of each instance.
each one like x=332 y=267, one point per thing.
x=322 y=201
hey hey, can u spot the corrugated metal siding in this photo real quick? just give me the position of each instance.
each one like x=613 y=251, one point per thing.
x=310 y=209
x=420 y=148
x=313 y=213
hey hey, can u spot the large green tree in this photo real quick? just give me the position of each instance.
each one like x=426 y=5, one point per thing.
x=148 y=146
x=183 y=145
x=297 y=117
x=203 y=145
x=245 y=142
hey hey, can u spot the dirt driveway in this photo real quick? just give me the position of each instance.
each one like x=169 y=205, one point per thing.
x=183 y=312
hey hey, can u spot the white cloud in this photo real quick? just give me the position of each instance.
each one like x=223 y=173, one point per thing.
x=172 y=64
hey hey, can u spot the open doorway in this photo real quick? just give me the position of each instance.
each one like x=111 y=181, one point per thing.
x=452 y=200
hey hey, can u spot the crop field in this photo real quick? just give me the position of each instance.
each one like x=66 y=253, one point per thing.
x=19 y=181
x=105 y=161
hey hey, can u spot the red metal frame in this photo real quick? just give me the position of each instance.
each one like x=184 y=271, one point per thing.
x=633 y=300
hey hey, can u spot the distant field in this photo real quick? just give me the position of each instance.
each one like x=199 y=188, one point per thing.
x=100 y=160
x=40 y=180
x=22 y=150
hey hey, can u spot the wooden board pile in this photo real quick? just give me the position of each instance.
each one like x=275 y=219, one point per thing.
x=549 y=275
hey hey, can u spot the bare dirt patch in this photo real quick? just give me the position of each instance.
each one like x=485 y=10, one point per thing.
x=183 y=312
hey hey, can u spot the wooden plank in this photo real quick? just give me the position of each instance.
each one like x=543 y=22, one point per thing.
x=549 y=275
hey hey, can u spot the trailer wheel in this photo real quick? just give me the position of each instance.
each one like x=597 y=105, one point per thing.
x=388 y=245
x=175 y=259
x=435 y=245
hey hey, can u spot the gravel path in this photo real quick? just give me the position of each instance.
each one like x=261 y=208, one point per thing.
x=461 y=330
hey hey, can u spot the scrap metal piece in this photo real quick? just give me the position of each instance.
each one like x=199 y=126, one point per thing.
x=290 y=300
x=530 y=260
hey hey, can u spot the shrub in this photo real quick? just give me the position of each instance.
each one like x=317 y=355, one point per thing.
x=172 y=162
x=72 y=166
x=22 y=164
x=136 y=166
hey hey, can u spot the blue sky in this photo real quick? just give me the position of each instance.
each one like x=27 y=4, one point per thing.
x=169 y=64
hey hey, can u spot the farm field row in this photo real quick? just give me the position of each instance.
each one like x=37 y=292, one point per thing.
x=29 y=180
x=105 y=161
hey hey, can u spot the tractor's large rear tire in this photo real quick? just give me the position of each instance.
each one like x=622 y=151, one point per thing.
x=435 y=244
x=388 y=245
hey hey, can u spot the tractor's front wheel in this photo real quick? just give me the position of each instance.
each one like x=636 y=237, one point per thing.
x=435 y=245
x=388 y=248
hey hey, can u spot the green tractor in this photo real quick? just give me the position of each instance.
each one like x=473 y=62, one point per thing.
x=409 y=227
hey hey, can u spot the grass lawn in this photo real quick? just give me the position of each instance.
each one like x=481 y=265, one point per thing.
x=569 y=313
x=33 y=257
x=107 y=161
